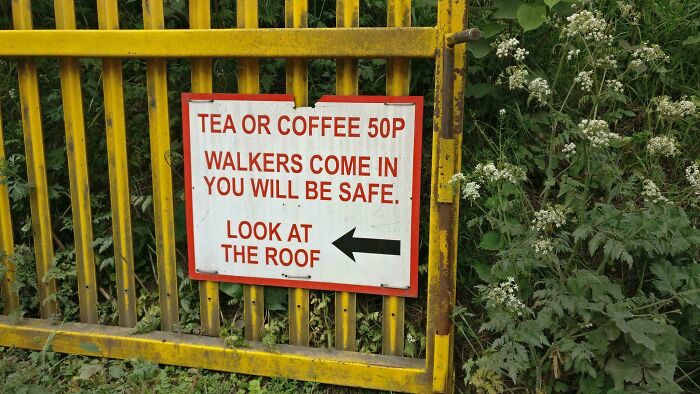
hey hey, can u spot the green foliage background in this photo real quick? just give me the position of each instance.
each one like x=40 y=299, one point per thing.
x=612 y=307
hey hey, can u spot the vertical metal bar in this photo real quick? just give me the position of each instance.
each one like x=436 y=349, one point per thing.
x=397 y=83
x=347 y=15
x=108 y=16
x=200 y=18
x=159 y=126
x=249 y=82
x=7 y=243
x=36 y=166
x=77 y=170
x=296 y=16
x=444 y=207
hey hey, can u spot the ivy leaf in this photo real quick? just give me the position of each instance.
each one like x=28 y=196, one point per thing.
x=551 y=3
x=492 y=241
x=531 y=17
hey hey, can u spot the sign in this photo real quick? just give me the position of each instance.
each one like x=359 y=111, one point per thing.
x=323 y=197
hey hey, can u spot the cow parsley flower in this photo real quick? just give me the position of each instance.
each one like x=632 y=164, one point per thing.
x=628 y=11
x=501 y=112
x=516 y=77
x=585 y=80
x=569 y=150
x=646 y=55
x=539 y=89
x=457 y=179
x=615 y=86
x=506 y=46
x=597 y=132
x=504 y=296
x=548 y=219
x=692 y=173
x=572 y=54
x=543 y=246
x=663 y=146
x=488 y=172
x=675 y=109
x=588 y=26
x=651 y=192
x=607 y=61
x=469 y=190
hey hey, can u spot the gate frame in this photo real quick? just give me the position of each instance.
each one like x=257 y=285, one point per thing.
x=398 y=43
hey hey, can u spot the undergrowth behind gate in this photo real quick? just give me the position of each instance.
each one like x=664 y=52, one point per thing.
x=579 y=240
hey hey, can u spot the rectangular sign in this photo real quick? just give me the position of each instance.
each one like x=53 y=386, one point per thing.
x=323 y=197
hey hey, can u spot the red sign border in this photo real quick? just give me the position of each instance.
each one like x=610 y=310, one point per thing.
x=412 y=291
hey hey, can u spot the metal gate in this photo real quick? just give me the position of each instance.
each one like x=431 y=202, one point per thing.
x=347 y=42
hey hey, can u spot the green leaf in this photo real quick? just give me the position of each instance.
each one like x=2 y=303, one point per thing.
x=479 y=90
x=668 y=277
x=692 y=40
x=483 y=269
x=507 y=9
x=551 y=3
x=116 y=371
x=233 y=290
x=531 y=17
x=88 y=371
x=275 y=298
x=480 y=48
x=492 y=241
x=491 y=29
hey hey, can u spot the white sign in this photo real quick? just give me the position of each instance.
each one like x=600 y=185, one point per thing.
x=323 y=197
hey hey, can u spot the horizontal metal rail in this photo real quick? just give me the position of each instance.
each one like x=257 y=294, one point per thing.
x=360 y=42
x=197 y=351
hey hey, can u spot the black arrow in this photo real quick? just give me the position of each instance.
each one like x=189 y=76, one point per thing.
x=350 y=244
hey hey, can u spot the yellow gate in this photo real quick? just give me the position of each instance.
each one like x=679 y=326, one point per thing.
x=347 y=42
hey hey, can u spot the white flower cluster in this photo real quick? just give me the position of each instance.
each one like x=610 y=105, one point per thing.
x=651 y=192
x=490 y=173
x=692 y=173
x=516 y=77
x=569 y=150
x=597 y=132
x=469 y=190
x=675 y=109
x=648 y=55
x=548 y=219
x=628 y=11
x=572 y=54
x=502 y=112
x=508 y=46
x=615 y=85
x=539 y=88
x=585 y=80
x=543 y=246
x=663 y=146
x=587 y=25
x=503 y=295
x=607 y=61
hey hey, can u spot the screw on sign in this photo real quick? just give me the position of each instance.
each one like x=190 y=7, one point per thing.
x=322 y=197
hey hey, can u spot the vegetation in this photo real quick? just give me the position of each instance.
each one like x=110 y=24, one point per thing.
x=578 y=235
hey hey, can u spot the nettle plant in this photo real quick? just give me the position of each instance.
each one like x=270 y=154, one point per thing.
x=592 y=283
